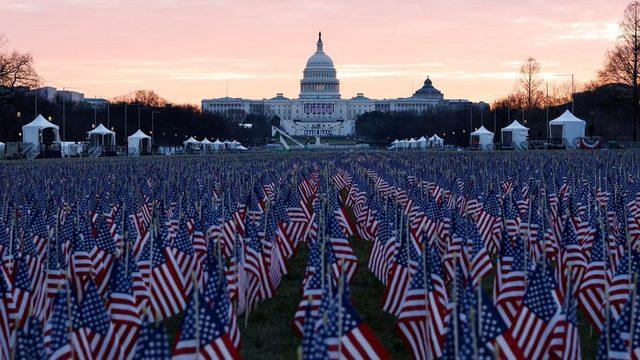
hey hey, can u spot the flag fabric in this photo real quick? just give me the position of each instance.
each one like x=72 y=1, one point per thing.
x=203 y=333
x=539 y=314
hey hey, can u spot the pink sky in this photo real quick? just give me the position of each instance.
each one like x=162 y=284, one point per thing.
x=188 y=50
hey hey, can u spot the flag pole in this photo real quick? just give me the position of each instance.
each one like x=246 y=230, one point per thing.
x=197 y=301
x=426 y=299
x=633 y=310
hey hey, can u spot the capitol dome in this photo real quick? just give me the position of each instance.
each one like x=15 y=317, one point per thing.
x=319 y=76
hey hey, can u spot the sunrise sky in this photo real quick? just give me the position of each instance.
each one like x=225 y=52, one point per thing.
x=188 y=50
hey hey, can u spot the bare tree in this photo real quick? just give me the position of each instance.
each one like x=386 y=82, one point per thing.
x=143 y=97
x=530 y=83
x=622 y=63
x=562 y=93
x=17 y=74
x=513 y=101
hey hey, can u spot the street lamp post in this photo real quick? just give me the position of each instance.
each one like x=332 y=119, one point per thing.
x=125 y=123
x=152 y=126
x=64 y=121
x=18 y=116
x=470 y=124
x=140 y=108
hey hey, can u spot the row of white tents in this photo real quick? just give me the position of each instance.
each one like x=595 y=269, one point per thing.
x=206 y=144
x=422 y=143
x=41 y=131
x=566 y=130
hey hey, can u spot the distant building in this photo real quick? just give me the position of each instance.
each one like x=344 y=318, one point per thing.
x=50 y=93
x=70 y=96
x=319 y=109
x=98 y=102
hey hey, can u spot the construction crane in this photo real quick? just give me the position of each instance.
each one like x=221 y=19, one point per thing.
x=283 y=135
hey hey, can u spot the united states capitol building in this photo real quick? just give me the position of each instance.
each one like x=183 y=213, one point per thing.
x=319 y=110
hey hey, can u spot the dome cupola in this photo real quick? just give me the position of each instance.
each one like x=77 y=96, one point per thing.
x=428 y=91
x=319 y=76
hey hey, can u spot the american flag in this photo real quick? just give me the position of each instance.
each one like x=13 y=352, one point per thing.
x=93 y=335
x=5 y=332
x=258 y=285
x=398 y=280
x=204 y=332
x=480 y=262
x=167 y=295
x=123 y=310
x=592 y=288
x=21 y=292
x=56 y=330
x=30 y=340
x=490 y=223
x=153 y=343
x=357 y=341
x=346 y=260
x=102 y=255
x=421 y=317
x=565 y=340
x=217 y=296
x=620 y=289
x=309 y=303
x=539 y=314
x=509 y=286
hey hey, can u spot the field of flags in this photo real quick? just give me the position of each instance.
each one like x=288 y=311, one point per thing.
x=482 y=256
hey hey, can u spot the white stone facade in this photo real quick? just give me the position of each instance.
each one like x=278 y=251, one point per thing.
x=319 y=109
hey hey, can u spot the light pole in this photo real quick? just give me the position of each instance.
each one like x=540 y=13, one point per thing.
x=152 y=124
x=140 y=108
x=470 y=124
x=64 y=120
x=64 y=113
x=547 y=106
x=18 y=116
x=125 y=123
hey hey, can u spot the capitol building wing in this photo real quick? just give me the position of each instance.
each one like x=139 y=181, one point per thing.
x=319 y=108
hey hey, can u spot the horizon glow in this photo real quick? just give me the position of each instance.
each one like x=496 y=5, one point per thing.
x=191 y=50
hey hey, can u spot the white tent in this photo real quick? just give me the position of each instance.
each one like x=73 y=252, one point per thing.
x=101 y=136
x=192 y=144
x=40 y=131
x=482 y=139
x=2 y=148
x=206 y=144
x=566 y=129
x=436 y=141
x=515 y=136
x=191 y=141
x=422 y=142
x=218 y=144
x=412 y=143
x=234 y=144
x=139 y=143
x=240 y=147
